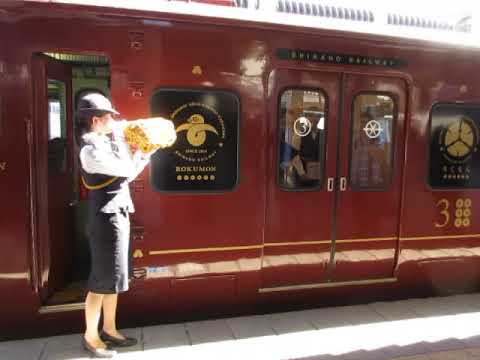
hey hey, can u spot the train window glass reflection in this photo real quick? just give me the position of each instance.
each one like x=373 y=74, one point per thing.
x=57 y=126
x=371 y=158
x=302 y=134
x=454 y=136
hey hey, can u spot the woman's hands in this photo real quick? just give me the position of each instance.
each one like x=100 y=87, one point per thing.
x=137 y=153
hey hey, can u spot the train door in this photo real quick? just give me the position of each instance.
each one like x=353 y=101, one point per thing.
x=53 y=181
x=333 y=194
x=370 y=160
x=301 y=171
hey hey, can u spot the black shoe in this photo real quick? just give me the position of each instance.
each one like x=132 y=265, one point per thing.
x=113 y=341
x=98 y=353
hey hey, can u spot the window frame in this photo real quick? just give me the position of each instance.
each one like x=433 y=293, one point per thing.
x=394 y=138
x=321 y=183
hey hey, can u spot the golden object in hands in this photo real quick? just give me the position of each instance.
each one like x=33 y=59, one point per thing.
x=149 y=135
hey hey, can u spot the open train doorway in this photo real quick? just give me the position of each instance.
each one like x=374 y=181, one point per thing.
x=62 y=259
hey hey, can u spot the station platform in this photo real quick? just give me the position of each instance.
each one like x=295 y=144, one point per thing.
x=440 y=328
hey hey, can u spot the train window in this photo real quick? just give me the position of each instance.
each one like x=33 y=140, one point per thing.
x=57 y=126
x=205 y=155
x=371 y=158
x=454 y=137
x=302 y=139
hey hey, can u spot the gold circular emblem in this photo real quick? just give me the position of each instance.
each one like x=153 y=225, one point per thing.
x=200 y=130
x=460 y=139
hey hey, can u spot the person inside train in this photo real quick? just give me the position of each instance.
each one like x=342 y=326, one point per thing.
x=301 y=161
x=107 y=165
x=369 y=149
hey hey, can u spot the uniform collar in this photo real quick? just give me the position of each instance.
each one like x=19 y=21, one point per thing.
x=94 y=138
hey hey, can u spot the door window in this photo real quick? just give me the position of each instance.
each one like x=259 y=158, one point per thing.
x=302 y=135
x=57 y=133
x=371 y=155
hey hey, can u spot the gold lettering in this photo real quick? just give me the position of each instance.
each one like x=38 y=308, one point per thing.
x=189 y=169
x=444 y=212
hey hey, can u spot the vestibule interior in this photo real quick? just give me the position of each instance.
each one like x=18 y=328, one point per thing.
x=89 y=73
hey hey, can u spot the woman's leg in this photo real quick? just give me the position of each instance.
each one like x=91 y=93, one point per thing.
x=109 y=315
x=93 y=308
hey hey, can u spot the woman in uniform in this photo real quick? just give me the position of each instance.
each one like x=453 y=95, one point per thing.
x=107 y=166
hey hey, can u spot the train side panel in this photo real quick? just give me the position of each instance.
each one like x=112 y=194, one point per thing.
x=226 y=251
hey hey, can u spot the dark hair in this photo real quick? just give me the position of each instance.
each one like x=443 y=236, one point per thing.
x=83 y=122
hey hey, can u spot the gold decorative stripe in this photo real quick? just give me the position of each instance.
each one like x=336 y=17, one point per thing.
x=61 y=308
x=99 y=186
x=298 y=243
x=14 y=276
x=329 y=241
x=326 y=285
x=182 y=251
x=367 y=239
x=440 y=237
x=252 y=247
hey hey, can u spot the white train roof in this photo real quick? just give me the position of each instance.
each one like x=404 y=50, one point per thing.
x=367 y=17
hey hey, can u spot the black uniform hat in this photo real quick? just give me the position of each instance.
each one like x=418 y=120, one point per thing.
x=95 y=102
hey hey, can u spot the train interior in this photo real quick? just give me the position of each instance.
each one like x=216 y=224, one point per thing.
x=82 y=74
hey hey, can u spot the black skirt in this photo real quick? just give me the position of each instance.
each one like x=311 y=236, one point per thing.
x=109 y=240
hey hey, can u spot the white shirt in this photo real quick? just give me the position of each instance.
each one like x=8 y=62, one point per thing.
x=101 y=155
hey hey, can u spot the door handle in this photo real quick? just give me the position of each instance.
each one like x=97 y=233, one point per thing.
x=330 y=182
x=343 y=183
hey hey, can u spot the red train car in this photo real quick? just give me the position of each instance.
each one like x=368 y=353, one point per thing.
x=314 y=164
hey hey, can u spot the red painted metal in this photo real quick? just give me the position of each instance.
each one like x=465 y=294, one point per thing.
x=368 y=216
x=211 y=251
x=299 y=216
x=230 y=3
x=54 y=195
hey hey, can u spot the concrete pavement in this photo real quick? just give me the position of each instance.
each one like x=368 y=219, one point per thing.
x=442 y=328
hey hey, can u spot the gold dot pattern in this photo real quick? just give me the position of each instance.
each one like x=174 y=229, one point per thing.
x=195 y=177
x=463 y=212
